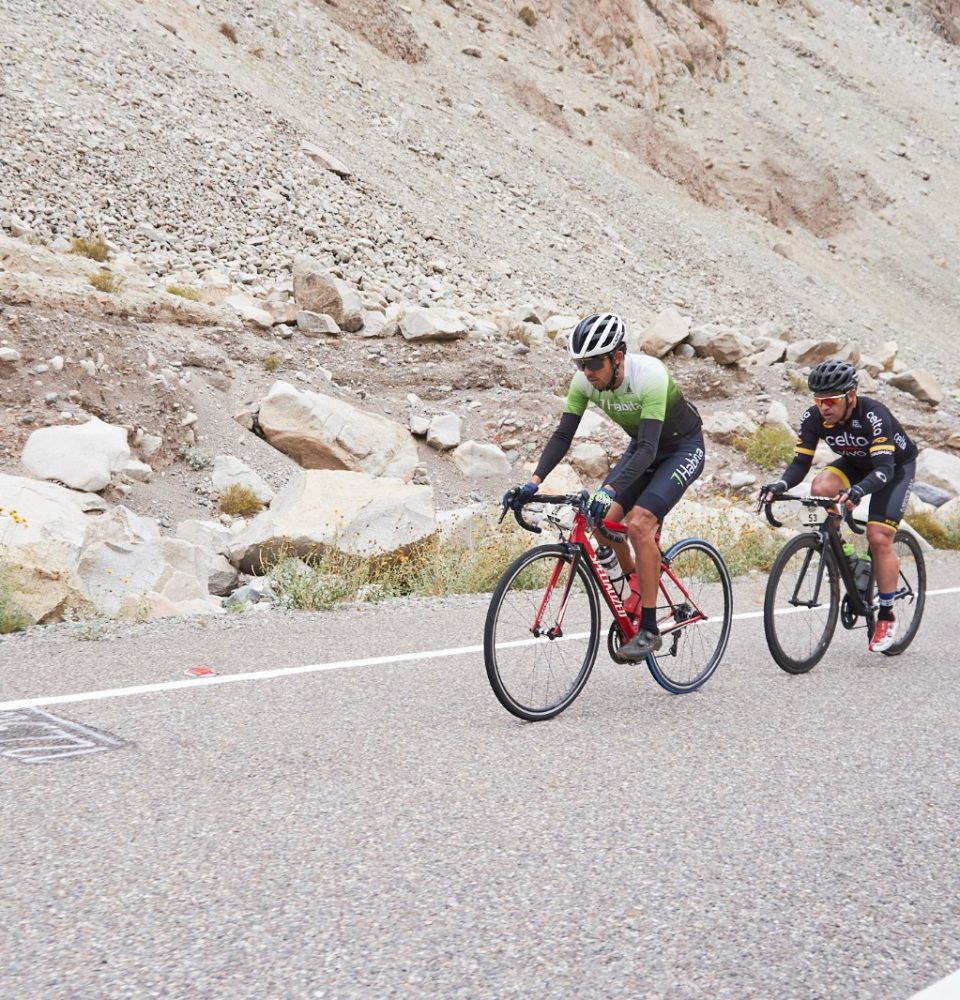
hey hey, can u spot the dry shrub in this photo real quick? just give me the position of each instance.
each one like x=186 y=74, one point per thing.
x=528 y=15
x=228 y=31
x=94 y=247
x=185 y=293
x=429 y=569
x=939 y=535
x=106 y=281
x=240 y=501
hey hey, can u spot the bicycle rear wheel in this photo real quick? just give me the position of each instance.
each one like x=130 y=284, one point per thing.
x=911 y=591
x=542 y=632
x=800 y=611
x=695 y=611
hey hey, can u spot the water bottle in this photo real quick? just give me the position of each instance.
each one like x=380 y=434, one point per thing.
x=611 y=564
x=850 y=551
x=861 y=574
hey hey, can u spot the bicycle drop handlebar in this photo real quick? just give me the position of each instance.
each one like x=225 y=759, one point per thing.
x=580 y=501
x=808 y=501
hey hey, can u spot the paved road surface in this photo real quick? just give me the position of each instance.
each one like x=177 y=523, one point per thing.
x=389 y=831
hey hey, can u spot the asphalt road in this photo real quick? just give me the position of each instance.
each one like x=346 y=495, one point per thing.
x=387 y=830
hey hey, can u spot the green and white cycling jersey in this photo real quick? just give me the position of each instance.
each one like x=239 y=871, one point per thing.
x=647 y=392
x=647 y=405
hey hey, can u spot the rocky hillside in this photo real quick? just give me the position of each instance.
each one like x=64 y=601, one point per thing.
x=769 y=172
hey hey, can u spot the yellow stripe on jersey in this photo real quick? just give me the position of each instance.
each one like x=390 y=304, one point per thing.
x=806 y=451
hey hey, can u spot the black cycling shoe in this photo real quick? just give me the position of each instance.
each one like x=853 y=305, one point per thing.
x=641 y=645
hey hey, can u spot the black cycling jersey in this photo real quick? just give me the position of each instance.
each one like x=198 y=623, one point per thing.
x=871 y=442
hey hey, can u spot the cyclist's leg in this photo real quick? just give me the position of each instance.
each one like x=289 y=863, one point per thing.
x=672 y=474
x=886 y=510
x=829 y=481
x=618 y=510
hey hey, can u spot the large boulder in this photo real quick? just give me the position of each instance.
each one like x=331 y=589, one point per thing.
x=479 y=459
x=215 y=539
x=349 y=511
x=316 y=290
x=938 y=468
x=669 y=329
x=443 y=431
x=228 y=470
x=812 y=352
x=82 y=456
x=321 y=432
x=724 y=344
x=920 y=384
x=74 y=554
x=437 y=323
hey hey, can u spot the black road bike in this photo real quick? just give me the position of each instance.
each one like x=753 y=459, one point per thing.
x=803 y=599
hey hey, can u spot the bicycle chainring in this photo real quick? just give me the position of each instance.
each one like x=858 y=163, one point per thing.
x=614 y=642
x=848 y=619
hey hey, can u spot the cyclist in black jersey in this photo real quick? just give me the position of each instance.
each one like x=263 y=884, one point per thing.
x=876 y=457
x=665 y=454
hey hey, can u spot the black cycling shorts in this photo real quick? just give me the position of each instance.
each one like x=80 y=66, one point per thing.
x=677 y=465
x=887 y=504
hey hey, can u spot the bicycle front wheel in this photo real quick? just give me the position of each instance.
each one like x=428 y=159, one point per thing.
x=542 y=632
x=911 y=593
x=695 y=611
x=801 y=604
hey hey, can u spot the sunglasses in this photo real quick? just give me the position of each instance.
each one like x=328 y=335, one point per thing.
x=830 y=400
x=590 y=364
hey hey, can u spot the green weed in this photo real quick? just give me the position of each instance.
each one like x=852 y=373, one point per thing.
x=12 y=616
x=196 y=458
x=770 y=447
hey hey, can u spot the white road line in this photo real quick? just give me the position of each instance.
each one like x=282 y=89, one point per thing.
x=945 y=989
x=311 y=668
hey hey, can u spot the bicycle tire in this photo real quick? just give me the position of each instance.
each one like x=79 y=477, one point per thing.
x=911 y=592
x=796 y=637
x=691 y=653
x=536 y=677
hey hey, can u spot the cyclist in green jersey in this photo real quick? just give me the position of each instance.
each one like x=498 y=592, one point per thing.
x=665 y=454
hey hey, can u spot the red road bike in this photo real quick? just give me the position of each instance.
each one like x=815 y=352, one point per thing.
x=543 y=625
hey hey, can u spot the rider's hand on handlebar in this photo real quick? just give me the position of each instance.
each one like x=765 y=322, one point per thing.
x=771 y=491
x=519 y=495
x=600 y=504
x=850 y=498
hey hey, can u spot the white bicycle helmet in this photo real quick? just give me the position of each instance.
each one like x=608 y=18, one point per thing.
x=601 y=333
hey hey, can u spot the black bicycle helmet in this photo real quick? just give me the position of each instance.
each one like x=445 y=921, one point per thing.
x=601 y=333
x=832 y=376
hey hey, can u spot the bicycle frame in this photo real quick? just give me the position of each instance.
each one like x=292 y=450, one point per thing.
x=829 y=533
x=578 y=544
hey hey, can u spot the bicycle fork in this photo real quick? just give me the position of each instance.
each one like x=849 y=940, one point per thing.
x=556 y=630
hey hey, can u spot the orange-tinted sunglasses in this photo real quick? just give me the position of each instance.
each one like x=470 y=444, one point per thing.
x=829 y=400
